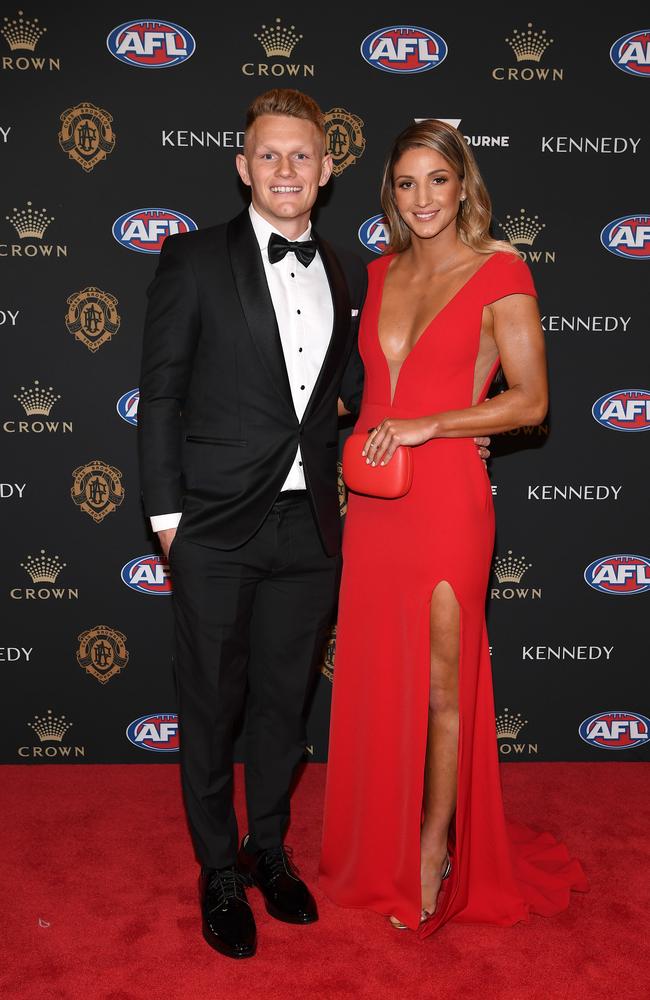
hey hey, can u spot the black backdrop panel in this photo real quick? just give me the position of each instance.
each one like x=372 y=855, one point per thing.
x=98 y=125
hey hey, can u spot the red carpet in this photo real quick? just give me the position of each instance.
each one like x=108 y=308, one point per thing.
x=100 y=900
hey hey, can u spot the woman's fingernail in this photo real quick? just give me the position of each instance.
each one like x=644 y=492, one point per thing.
x=367 y=461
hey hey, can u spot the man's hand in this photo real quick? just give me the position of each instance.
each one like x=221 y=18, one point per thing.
x=483 y=445
x=167 y=536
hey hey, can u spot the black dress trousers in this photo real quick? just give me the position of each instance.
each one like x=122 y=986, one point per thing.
x=250 y=625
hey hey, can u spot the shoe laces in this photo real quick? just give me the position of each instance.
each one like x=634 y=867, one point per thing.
x=279 y=860
x=226 y=884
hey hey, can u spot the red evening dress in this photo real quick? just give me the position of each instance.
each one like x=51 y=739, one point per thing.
x=395 y=552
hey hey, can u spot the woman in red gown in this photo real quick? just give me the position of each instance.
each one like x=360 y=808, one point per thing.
x=414 y=825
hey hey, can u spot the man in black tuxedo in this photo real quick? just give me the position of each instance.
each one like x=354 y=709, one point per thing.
x=249 y=342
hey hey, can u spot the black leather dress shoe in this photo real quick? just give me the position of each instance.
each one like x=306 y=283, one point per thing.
x=228 y=922
x=285 y=894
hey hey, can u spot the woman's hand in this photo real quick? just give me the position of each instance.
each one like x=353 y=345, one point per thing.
x=385 y=439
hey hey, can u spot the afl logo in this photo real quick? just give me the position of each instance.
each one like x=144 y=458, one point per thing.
x=158 y=732
x=624 y=410
x=403 y=49
x=619 y=574
x=615 y=730
x=628 y=237
x=146 y=229
x=631 y=53
x=148 y=575
x=127 y=406
x=150 y=44
x=374 y=234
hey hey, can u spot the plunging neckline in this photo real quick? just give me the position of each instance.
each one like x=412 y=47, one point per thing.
x=449 y=301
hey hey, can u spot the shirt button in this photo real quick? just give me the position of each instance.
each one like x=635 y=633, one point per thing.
x=302 y=387
x=298 y=311
x=292 y=275
x=300 y=350
x=299 y=463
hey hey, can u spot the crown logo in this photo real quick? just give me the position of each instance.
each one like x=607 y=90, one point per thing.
x=509 y=726
x=51 y=727
x=30 y=222
x=43 y=568
x=277 y=40
x=529 y=45
x=37 y=400
x=510 y=569
x=522 y=228
x=21 y=33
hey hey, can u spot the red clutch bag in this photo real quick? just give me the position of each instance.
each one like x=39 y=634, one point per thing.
x=388 y=481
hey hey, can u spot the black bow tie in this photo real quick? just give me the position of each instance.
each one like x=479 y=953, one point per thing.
x=279 y=248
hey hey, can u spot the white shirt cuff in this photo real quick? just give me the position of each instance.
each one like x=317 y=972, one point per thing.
x=162 y=521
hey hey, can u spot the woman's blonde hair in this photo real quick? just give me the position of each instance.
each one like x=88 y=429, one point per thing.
x=475 y=212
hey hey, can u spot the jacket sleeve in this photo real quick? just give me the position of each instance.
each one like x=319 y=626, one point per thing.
x=171 y=331
x=352 y=382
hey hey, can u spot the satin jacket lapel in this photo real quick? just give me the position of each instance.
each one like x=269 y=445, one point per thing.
x=256 y=302
x=341 y=324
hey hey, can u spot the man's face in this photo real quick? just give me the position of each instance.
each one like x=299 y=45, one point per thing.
x=284 y=165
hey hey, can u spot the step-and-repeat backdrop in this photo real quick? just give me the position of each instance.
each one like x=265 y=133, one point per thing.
x=114 y=133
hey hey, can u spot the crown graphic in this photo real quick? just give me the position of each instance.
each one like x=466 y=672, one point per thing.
x=21 y=33
x=278 y=40
x=522 y=228
x=510 y=569
x=43 y=568
x=52 y=727
x=509 y=726
x=37 y=400
x=529 y=45
x=30 y=222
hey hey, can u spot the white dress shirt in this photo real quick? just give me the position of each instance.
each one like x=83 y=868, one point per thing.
x=302 y=301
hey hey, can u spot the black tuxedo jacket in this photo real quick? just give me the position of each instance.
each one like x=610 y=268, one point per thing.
x=217 y=430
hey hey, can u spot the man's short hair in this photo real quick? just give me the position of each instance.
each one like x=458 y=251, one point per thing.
x=286 y=101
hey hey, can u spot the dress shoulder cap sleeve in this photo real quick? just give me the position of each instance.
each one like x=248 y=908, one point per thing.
x=508 y=275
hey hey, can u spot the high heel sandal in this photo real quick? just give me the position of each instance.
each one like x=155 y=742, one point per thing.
x=446 y=873
x=398 y=925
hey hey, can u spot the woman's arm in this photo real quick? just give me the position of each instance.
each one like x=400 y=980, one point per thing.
x=520 y=341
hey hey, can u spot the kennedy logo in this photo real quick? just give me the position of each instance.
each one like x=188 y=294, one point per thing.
x=10 y=491
x=23 y=34
x=562 y=653
x=145 y=229
x=9 y=317
x=102 y=652
x=528 y=46
x=43 y=570
x=86 y=135
x=151 y=44
x=404 y=49
x=585 y=324
x=345 y=141
x=565 y=492
x=628 y=236
x=523 y=230
x=511 y=569
x=30 y=224
x=97 y=489
x=374 y=233
x=623 y=410
x=615 y=730
x=183 y=138
x=278 y=41
x=631 y=53
x=158 y=732
x=92 y=317
x=127 y=406
x=148 y=575
x=621 y=575
x=50 y=730
x=608 y=144
x=37 y=402
x=509 y=725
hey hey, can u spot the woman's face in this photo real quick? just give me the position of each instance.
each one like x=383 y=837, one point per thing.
x=427 y=191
